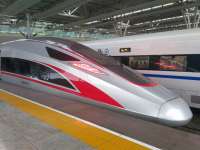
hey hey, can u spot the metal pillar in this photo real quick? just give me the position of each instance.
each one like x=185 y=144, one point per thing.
x=28 y=26
x=187 y=17
x=121 y=28
x=192 y=16
x=126 y=27
x=196 y=19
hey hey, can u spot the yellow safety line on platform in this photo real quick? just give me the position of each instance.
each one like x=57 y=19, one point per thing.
x=84 y=131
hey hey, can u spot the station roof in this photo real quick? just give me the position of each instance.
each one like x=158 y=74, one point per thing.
x=100 y=15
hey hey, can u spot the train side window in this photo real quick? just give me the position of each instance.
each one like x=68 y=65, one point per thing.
x=46 y=74
x=180 y=63
x=33 y=70
x=15 y=65
x=139 y=62
x=3 y=63
x=193 y=63
x=124 y=60
x=59 y=55
x=154 y=62
x=23 y=67
x=8 y=64
x=164 y=63
x=173 y=63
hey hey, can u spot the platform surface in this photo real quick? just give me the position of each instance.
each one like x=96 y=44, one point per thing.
x=160 y=136
x=20 y=131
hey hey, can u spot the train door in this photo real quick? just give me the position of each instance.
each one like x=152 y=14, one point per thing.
x=125 y=60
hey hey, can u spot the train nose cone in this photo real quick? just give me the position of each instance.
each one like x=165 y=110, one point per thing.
x=175 y=113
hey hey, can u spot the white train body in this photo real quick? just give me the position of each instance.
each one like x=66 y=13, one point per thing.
x=179 y=59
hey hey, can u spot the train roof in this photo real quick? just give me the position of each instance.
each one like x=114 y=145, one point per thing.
x=148 y=36
x=63 y=44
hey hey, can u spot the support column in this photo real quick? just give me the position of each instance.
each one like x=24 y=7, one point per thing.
x=28 y=26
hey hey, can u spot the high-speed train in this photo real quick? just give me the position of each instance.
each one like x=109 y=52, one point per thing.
x=78 y=72
x=170 y=58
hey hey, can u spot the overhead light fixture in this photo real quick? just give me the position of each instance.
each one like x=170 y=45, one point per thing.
x=92 y=22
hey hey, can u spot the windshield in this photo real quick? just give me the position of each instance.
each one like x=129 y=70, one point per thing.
x=130 y=74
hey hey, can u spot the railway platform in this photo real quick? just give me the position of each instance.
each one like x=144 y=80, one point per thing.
x=95 y=127
x=20 y=131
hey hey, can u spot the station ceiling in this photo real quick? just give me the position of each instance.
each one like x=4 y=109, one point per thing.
x=101 y=15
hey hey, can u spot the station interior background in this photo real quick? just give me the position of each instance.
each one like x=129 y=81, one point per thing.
x=95 y=19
